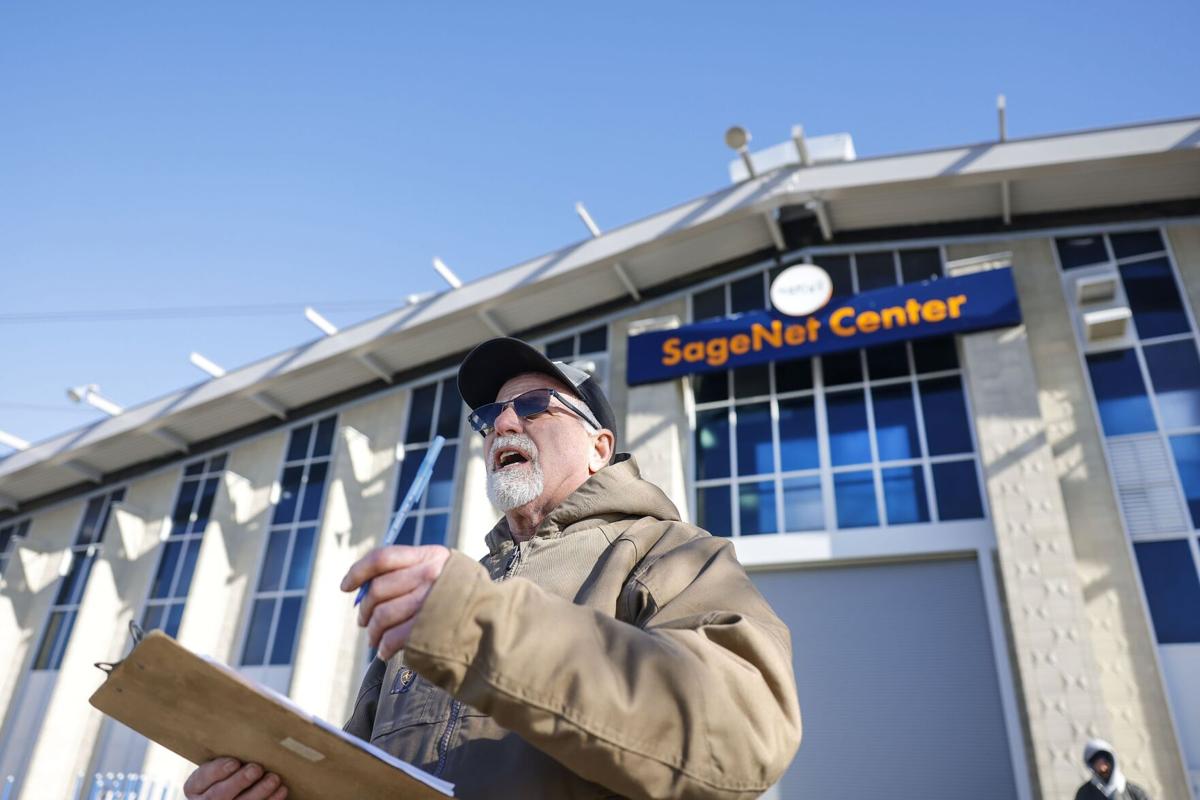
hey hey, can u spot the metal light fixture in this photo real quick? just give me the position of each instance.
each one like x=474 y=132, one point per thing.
x=736 y=138
x=90 y=394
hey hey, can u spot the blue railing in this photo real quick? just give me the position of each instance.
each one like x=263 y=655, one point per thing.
x=107 y=786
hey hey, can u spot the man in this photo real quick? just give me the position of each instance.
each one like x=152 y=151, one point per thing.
x=1107 y=782
x=601 y=648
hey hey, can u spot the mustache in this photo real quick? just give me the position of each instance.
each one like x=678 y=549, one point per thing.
x=514 y=441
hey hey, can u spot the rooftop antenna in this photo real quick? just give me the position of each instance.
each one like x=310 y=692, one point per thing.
x=208 y=366
x=90 y=394
x=592 y=227
x=1005 y=186
x=736 y=138
x=447 y=274
x=15 y=442
x=325 y=326
x=801 y=145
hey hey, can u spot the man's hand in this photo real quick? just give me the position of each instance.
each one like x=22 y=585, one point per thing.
x=401 y=578
x=228 y=779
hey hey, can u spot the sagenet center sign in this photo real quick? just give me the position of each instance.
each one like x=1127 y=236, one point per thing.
x=973 y=302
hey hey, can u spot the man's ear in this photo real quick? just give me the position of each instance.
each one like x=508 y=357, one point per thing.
x=602 y=450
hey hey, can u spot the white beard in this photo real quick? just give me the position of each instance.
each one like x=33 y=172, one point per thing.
x=515 y=486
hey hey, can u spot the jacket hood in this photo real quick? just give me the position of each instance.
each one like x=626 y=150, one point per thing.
x=615 y=492
x=1116 y=779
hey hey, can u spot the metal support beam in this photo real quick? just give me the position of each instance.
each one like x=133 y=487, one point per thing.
x=7 y=503
x=820 y=208
x=86 y=470
x=1006 y=201
x=747 y=163
x=270 y=404
x=207 y=365
x=630 y=287
x=375 y=365
x=447 y=274
x=323 y=325
x=592 y=227
x=490 y=321
x=172 y=438
x=801 y=145
x=776 y=231
x=15 y=442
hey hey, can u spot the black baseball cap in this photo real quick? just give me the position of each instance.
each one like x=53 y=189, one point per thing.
x=490 y=365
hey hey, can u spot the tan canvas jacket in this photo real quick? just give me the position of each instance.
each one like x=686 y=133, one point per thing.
x=619 y=652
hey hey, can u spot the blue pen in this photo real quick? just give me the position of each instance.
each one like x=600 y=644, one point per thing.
x=414 y=494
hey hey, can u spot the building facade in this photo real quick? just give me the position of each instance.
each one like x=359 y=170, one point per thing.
x=984 y=541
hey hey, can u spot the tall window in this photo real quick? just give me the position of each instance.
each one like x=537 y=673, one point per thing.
x=8 y=541
x=434 y=410
x=177 y=562
x=865 y=438
x=81 y=557
x=1146 y=386
x=291 y=546
x=590 y=345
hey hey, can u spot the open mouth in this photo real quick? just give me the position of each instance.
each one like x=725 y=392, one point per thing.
x=509 y=458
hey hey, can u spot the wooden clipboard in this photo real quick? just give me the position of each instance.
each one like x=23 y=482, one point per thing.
x=201 y=710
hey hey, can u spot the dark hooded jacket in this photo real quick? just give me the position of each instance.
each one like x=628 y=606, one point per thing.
x=1116 y=787
x=618 y=652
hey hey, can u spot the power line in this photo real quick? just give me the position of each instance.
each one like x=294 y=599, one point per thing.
x=187 y=312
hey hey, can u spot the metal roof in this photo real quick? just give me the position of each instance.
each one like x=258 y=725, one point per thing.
x=1115 y=166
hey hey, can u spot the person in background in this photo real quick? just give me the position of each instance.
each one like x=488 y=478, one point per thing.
x=1107 y=782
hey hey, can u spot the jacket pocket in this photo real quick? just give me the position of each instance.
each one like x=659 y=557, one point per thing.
x=406 y=699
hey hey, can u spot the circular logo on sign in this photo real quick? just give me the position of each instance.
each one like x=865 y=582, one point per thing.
x=801 y=289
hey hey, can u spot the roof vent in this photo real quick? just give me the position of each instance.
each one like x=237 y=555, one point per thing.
x=1096 y=288
x=1108 y=323
x=831 y=149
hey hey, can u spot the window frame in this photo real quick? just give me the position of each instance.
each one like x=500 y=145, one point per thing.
x=825 y=470
x=1132 y=340
x=168 y=535
x=441 y=380
x=602 y=358
x=281 y=594
x=1137 y=345
x=109 y=498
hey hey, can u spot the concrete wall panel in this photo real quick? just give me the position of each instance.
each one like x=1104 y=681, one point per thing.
x=115 y=591
x=1124 y=669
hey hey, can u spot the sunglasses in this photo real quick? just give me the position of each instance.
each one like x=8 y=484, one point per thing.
x=527 y=405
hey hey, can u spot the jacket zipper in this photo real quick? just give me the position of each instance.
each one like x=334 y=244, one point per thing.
x=455 y=705
x=513 y=560
x=444 y=742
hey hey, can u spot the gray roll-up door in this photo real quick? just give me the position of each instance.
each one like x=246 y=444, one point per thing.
x=897 y=682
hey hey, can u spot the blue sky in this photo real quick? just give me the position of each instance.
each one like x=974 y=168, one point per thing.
x=162 y=155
